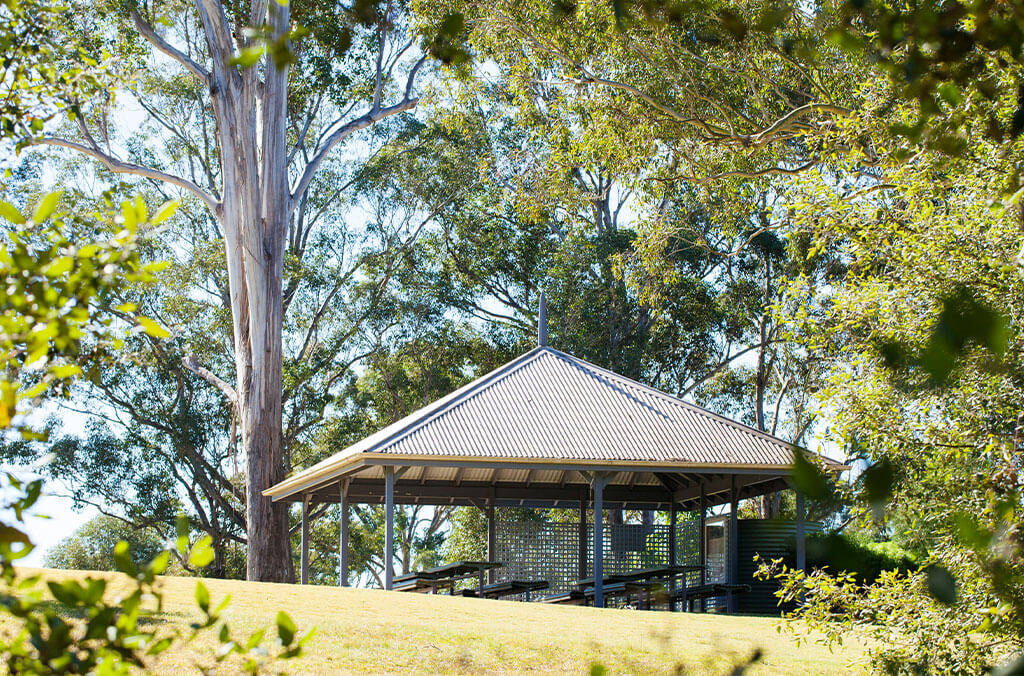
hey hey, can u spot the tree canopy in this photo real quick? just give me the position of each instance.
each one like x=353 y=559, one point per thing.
x=804 y=216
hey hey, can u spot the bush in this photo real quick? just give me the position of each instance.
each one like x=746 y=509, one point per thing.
x=865 y=561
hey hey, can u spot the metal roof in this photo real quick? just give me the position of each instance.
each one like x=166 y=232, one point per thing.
x=550 y=407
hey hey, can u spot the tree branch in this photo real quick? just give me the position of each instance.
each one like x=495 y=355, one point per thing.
x=120 y=167
x=147 y=31
x=343 y=132
x=192 y=364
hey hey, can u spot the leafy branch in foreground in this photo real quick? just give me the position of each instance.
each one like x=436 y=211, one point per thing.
x=56 y=293
x=962 y=610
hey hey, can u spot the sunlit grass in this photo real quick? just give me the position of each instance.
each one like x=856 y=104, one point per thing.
x=369 y=631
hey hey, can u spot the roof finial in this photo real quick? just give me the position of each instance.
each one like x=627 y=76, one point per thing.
x=542 y=322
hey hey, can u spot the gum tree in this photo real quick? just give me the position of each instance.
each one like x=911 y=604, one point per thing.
x=276 y=102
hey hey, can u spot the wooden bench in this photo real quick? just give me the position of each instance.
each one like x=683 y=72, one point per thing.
x=573 y=597
x=417 y=582
x=702 y=592
x=500 y=589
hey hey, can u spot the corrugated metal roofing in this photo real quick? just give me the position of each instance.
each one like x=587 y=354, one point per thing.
x=548 y=405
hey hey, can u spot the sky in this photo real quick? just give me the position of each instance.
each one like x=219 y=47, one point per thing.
x=54 y=517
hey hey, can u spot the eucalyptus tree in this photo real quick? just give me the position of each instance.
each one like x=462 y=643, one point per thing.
x=269 y=108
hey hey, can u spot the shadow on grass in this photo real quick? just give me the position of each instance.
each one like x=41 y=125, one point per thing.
x=146 y=619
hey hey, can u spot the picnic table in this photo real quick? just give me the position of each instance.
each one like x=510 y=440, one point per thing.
x=703 y=592
x=446 y=575
x=643 y=581
x=509 y=587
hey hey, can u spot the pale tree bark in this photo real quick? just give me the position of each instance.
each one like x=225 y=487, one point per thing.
x=253 y=212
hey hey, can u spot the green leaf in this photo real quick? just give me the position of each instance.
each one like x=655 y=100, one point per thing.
x=808 y=477
x=878 y=481
x=140 y=208
x=166 y=210
x=9 y=534
x=152 y=328
x=285 y=628
x=122 y=559
x=971 y=533
x=202 y=552
x=158 y=266
x=68 y=592
x=1012 y=667
x=66 y=370
x=59 y=267
x=248 y=57
x=46 y=207
x=202 y=597
x=159 y=564
x=950 y=93
x=11 y=214
x=941 y=584
x=222 y=605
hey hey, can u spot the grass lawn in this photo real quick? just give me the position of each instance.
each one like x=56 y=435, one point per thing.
x=370 y=631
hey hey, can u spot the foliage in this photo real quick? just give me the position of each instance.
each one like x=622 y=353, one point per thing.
x=923 y=336
x=959 y=62
x=91 y=547
x=866 y=562
x=58 y=294
x=83 y=631
x=59 y=275
x=906 y=629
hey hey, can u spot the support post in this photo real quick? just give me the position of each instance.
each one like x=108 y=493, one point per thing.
x=343 y=540
x=702 y=540
x=672 y=516
x=734 y=559
x=389 y=527
x=583 y=538
x=703 y=535
x=304 y=558
x=801 y=532
x=492 y=537
x=599 y=484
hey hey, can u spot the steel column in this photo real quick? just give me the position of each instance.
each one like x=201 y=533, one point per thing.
x=389 y=527
x=672 y=516
x=304 y=557
x=734 y=559
x=583 y=538
x=599 y=484
x=801 y=532
x=343 y=540
x=702 y=540
x=703 y=536
x=492 y=539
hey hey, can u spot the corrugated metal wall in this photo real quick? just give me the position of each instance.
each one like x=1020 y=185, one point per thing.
x=771 y=539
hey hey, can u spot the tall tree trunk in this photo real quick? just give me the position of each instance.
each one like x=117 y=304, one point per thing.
x=253 y=218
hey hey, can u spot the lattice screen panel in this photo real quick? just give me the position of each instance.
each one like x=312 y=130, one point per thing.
x=546 y=550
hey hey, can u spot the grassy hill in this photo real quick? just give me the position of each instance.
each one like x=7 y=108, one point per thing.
x=370 y=631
